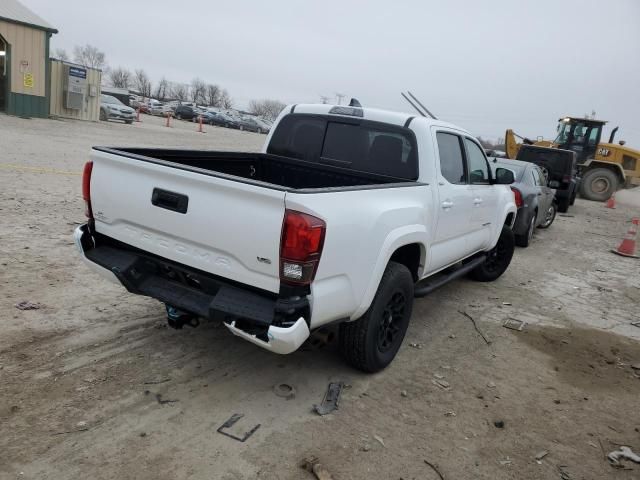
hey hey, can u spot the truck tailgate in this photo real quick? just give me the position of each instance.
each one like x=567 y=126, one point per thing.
x=220 y=225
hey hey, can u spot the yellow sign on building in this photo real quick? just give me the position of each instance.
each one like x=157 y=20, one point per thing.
x=28 y=80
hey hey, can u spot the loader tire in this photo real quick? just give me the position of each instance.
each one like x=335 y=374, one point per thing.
x=599 y=184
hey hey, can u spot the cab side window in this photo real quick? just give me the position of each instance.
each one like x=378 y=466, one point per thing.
x=451 y=158
x=477 y=162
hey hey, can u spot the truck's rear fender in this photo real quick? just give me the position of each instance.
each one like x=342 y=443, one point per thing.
x=364 y=228
x=397 y=239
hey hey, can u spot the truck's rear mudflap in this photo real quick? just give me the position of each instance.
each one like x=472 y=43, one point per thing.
x=260 y=317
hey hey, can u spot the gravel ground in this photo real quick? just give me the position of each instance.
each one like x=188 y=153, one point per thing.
x=84 y=378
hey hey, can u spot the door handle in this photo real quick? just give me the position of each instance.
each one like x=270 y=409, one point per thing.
x=447 y=204
x=176 y=202
x=477 y=201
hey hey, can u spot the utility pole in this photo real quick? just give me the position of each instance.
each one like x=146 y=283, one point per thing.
x=339 y=97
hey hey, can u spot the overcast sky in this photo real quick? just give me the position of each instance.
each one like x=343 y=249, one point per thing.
x=485 y=65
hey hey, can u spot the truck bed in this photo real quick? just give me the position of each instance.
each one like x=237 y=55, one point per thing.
x=278 y=172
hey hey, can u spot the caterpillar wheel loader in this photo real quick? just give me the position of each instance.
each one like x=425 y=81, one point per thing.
x=604 y=167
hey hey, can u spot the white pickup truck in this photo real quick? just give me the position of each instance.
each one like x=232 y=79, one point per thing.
x=346 y=215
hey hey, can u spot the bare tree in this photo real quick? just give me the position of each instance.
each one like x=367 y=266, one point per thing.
x=492 y=145
x=61 y=54
x=213 y=95
x=269 y=109
x=179 y=91
x=198 y=91
x=162 y=90
x=142 y=83
x=119 y=77
x=89 y=56
x=225 y=99
x=484 y=143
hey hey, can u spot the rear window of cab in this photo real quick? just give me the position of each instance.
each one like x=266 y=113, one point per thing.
x=353 y=144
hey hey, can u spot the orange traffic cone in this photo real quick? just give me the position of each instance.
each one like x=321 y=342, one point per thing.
x=611 y=203
x=628 y=246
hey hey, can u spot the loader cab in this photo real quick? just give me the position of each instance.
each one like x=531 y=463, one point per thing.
x=582 y=135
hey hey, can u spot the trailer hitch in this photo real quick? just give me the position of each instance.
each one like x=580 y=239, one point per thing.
x=177 y=318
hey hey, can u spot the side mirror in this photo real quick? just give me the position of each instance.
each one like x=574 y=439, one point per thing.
x=477 y=176
x=504 y=176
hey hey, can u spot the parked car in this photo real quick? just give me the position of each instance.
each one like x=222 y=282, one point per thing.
x=186 y=112
x=265 y=127
x=562 y=169
x=150 y=105
x=113 y=109
x=251 y=124
x=215 y=118
x=205 y=114
x=495 y=153
x=340 y=219
x=535 y=200
x=135 y=104
x=223 y=120
x=143 y=107
x=161 y=110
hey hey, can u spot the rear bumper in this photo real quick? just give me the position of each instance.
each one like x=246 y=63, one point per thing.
x=120 y=116
x=278 y=325
x=521 y=223
x=566 y=191
x=279 y=340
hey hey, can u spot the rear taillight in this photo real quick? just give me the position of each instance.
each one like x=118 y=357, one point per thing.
x=300 y=247
x=517 y=195
x=86 y=189
x=566 y=179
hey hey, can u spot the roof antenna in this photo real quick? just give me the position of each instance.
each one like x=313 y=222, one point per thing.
x=355 y=103
x=412 y=104
x=420 y=103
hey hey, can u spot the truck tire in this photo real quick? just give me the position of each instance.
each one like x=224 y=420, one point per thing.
x=563 y=204
x=372 y=342
x=498 y=258
x=599 y=184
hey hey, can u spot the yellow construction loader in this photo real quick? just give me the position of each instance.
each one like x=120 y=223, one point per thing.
x=604 y=167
